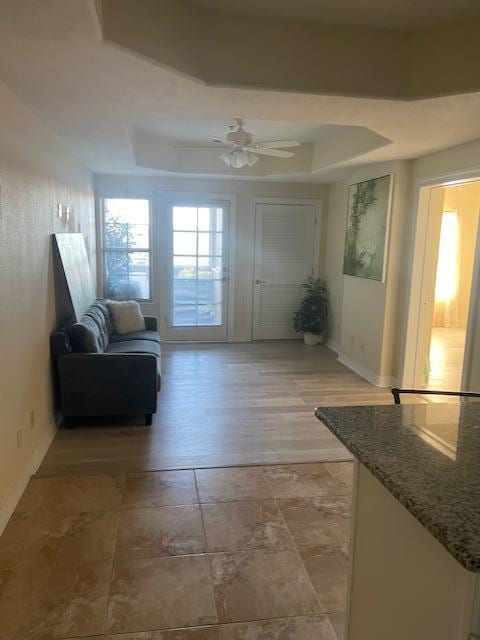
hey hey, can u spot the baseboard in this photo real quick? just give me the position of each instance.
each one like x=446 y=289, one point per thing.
x=333 y=346
x=31 y=468
x=364 y=372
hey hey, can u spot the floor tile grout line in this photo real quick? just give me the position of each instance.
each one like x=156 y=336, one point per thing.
x=210 y=571
x=114 y=556
x=317 y=596
x=213 y=625
x=342 y=460
x=290 y=535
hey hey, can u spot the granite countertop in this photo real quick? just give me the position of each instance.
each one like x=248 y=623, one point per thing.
x=428 y=457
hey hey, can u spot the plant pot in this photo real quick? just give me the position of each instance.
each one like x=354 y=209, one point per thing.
x=312 y=338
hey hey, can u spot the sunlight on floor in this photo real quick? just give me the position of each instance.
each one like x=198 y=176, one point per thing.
x=446 y=358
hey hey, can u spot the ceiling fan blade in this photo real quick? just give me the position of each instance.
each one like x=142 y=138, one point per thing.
x=275 y=153
x=219 y=140
x=277 y=144
x=197 y=146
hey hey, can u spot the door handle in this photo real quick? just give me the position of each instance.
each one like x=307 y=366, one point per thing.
x=260 y=282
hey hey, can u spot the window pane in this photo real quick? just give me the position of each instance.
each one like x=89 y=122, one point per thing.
x=116 y=264
x=185 y=218
x=184 y=243
x=210 y=219
x=184 y=267
x=138 y=236
x=210 y=244
x=115 y=235
x=126 y=210
x=210 y=291
x=139 y=273
x=184 y=291
x=126 y=226
x=209 y=314
x=184 y=316
x=127 y=275
x=210 y=268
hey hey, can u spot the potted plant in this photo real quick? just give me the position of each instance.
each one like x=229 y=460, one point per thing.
x=311 y=318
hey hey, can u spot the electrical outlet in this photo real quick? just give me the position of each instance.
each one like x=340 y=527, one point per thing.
x=32 y=419
x=60 y=210
x=20 y=438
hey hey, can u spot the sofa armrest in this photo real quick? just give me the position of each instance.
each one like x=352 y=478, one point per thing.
x=107 y=383
x=151 y=323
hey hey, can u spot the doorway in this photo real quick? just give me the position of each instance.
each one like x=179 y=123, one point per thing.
x=285 y=252
x=449 y=262
x=197 y=271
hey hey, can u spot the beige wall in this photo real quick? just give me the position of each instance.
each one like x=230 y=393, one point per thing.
x=364 y=317
x=35 y=174
x=244 y=194
x=370 y=321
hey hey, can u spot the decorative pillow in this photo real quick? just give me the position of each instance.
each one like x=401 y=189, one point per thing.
x=85 y=337
x=126 y=316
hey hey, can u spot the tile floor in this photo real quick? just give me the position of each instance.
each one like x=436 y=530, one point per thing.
x=257 y=553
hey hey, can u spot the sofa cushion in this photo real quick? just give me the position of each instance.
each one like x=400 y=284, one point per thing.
x=140 y=346
x=85 y=336
x=135 y=346
x=102 y=305
x=95 y=314
x=126 y=316
x=135 y=335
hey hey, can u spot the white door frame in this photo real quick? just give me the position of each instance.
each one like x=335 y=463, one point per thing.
x=318 y=213
x=422 y=191
x=168 y=199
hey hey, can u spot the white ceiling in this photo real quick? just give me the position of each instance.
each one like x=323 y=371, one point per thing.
x=393 y=14
x=194 y=130
x=92 y=94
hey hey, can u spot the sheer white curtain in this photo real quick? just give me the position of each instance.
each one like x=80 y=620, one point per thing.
x=448 y=269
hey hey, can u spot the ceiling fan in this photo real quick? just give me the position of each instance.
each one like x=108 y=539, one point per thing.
x=244 y=150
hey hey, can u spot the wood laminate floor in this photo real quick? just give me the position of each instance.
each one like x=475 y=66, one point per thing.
x=447 y=349
x=223 y=405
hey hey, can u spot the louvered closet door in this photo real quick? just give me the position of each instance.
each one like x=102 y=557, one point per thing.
x=284 y=247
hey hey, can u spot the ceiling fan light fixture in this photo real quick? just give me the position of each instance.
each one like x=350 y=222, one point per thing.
x=239 y=158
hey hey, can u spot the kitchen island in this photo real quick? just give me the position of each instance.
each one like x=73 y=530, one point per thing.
x=415 y=544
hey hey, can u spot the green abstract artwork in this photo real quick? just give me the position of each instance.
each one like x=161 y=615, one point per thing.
x=366 y=232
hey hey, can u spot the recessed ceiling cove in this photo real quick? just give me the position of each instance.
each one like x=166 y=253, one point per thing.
x=186 y=146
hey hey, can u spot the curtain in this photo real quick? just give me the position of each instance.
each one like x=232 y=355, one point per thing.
x=445 y=313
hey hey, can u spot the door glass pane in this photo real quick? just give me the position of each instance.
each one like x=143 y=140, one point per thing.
x=209 y=244
x=210 y=267
x=185 y=316
x=184 y=218
x=197 y=274
x=185 y=291
x=184 y=243
x=209 y=315
x=184 y=267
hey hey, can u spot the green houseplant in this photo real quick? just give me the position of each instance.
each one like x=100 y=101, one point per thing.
x=312 y=316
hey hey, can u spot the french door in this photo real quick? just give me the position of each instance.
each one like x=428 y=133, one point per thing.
x=284 y=256
x=197 y=271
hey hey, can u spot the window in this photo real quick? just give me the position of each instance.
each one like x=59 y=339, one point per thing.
x=126 y=248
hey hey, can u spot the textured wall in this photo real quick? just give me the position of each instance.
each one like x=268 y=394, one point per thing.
x=36 y=173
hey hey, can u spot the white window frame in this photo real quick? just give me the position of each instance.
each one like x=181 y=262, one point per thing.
x=103 y=251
